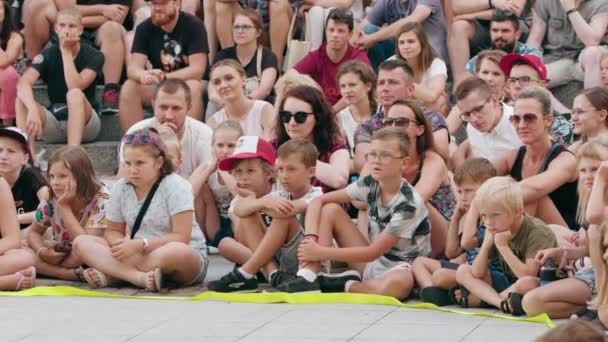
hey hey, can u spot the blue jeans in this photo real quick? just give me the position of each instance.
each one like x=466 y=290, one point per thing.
x=381 y=50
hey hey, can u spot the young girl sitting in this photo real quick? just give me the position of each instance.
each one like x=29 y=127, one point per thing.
x=158 y=206
x=18 y=270
x=75 y=206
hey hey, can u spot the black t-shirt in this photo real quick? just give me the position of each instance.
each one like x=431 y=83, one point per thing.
x=269 y=60
x=49 y=64
x=25 y=191
x=169 y=51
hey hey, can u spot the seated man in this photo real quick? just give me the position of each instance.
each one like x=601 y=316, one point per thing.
x=175 y=44
x=322 y=64
x=490 y=134
x=386 y=18
x=504 y=33
x=103 y=22
x=70 y=69
x=573 y=37
x=470 y=29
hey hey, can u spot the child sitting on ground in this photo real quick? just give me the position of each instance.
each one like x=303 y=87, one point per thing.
x=514 y=238
x=398 y=227
x=295 y=166
x=436 y=277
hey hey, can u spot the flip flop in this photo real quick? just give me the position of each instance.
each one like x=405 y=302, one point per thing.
x=102 y=280
x=156 y=285
x=22 y=277
x=436 y=295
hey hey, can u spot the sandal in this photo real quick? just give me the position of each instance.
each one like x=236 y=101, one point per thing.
x=436 y=295
x=79 y=273
x=22 y=276
x=101 y=281
x=464 y=298
x=512 y=305
x=153 y=283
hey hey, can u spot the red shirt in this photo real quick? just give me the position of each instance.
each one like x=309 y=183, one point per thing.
x=317 y=65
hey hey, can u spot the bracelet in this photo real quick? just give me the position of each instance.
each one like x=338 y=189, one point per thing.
x=40 y=251
x=568 y=12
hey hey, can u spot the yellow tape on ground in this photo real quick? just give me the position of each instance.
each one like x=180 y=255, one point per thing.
x=271 y=297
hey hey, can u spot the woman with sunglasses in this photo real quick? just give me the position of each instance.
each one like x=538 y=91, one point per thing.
x=259 y=62
x=163 y=238
x=430 y=72
x=255 y=116
x=590 y=115
x=304 y=113
x=545 y=170
x=425 y=169
x=487 y=68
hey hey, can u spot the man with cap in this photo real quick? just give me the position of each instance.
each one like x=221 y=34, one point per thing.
x=524 y=71
x=27 y=184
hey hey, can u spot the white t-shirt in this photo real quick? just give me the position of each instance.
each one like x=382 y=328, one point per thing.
x=173 y=196
x=501 y=140
x=437 y=67
x=196 y=143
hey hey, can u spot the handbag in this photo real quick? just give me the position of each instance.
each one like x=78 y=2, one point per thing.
x=252 y=83
x=296 y=49
x=144 y=207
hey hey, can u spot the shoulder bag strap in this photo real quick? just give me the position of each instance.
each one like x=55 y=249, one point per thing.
x=144 y=207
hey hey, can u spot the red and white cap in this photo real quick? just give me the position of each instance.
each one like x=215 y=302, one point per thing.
x=506 y=63
x=249 y=147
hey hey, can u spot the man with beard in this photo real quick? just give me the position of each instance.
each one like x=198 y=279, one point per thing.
x=505 y=33
x=322 y=64
x=175 y=44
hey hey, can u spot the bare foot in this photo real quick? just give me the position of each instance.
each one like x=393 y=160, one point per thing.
x=25 y=279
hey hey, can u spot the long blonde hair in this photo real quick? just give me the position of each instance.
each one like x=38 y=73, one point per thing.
x=595 y=149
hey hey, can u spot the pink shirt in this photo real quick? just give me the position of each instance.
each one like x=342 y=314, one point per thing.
x=317 y=65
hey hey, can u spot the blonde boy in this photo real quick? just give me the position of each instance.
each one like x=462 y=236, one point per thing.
x=514 y=238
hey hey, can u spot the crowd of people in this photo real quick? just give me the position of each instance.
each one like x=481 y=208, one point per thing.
x=346 y=173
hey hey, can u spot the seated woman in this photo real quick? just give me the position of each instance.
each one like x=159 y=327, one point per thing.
x=425 y=169
x=358 y=88
x=18 y=270
x=487 y=68
x=163 y=239
x=255 y=116
x=430 y=72
x=545 y=170
x=259 y=62
x=590 y=115
x=304 y=113
x=75 y=206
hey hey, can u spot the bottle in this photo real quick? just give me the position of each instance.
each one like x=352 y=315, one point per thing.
x=41 y=158
x=548 y=272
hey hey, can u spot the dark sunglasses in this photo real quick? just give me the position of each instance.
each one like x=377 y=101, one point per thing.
x=528 y=118
x=399 y=122
x=300 y=117
x=143 y=139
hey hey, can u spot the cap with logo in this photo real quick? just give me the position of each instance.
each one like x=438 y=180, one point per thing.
x=249 y=147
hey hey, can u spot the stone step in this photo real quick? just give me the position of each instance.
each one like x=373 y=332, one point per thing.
x=103 y=154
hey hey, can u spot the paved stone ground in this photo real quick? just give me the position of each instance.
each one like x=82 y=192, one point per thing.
x=64 y=319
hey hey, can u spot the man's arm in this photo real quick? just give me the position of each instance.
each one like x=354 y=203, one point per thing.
x=73 y=78
x=195 y=69
x=24 y=89
x=419 y=14
x=592 y=33
x=470 y=6
x=537 y=32
x=137 y=66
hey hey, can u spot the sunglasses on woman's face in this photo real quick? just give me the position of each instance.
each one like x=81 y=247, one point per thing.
x=528 y=118
x=299 y=117
x=398 y=122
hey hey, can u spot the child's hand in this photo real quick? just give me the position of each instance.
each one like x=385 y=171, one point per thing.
x=554 y=253
x=361 y=205
x=502 y=238
x=50 y=256
x=125 y=249
x=461 y=208
x=309 y=251
x=69 y=193
x=278 y=204
x=602 y=172
x=488 y=239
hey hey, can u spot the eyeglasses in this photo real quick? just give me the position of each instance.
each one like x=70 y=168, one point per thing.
x=398 y=122
x=382 y=157
x=143 y=139
x=465 y=116
x=523 y=80
x=299 y=117
x=242 y=27
x=579 y=111
x=528 y=118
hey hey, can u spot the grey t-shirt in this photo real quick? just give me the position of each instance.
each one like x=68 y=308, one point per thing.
x=386 y=12
x=561 y=40
x=313 y=192
x=405 y=216
x=174 y=195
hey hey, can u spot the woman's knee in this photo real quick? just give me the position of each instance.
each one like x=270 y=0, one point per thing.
x=533 y=301
x=463 y=272
x=526 y=284
x=22 y=258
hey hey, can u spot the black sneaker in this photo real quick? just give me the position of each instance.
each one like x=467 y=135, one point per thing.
x=233 y=282
x=109 y=100
x=298 y=284
x=330 y=283
x=585 y=314
x=279 y=277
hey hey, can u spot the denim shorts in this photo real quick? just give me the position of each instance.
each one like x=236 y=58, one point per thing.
x=587 y=276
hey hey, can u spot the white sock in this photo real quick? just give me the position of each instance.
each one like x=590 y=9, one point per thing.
x=307 y=274
x=245 y=274
x=271 y=274
x=348 y=284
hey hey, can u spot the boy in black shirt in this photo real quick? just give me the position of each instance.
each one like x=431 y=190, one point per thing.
x=70 y=69
x=175 y=44
x=27 y=184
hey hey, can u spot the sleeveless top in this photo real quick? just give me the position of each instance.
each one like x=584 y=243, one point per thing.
x=349 y=124
x=221 y=194
x=565 y=197
x=251 y=123
x=443 y=199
